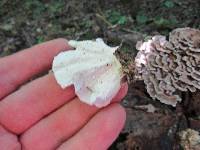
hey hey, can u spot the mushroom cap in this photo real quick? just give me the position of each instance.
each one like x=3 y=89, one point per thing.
x=168 y=67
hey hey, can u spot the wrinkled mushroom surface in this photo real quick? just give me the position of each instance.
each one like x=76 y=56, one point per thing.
x=168 y=67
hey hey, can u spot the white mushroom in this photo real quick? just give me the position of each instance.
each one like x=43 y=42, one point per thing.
x=92 y=68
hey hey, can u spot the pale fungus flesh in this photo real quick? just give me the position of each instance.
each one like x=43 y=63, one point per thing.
x=92 y=68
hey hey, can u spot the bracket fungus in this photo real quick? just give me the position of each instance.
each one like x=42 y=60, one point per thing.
x=92 y=68
x=169 y=67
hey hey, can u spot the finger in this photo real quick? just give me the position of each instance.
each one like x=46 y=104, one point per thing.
x=32 y=102
x=18 y=68
x=8 y=141
x=100 y=132
x=121 y=93
x=50 y=132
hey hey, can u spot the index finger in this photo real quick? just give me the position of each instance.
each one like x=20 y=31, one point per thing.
x=19 y=68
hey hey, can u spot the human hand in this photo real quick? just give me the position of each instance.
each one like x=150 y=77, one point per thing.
x=41 y=116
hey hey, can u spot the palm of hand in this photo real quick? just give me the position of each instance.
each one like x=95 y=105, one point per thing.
x=40 y=115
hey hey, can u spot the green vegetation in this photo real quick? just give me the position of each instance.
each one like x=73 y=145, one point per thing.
x=166 y=23
x=115 y=17
x=37 y=8
x=141 y=18
x=40 y=39
x=169 y=4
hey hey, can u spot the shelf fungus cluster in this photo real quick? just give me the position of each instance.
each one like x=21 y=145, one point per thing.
x=170 y=66
x=92 y=68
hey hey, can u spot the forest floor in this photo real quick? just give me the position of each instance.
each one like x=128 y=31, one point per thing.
x=150 y=125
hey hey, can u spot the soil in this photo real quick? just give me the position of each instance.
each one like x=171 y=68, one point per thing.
x=24 y=23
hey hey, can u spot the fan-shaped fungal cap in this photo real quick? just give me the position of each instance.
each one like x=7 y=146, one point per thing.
x=185 y=38
x=92 y=68
x=170 y=66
